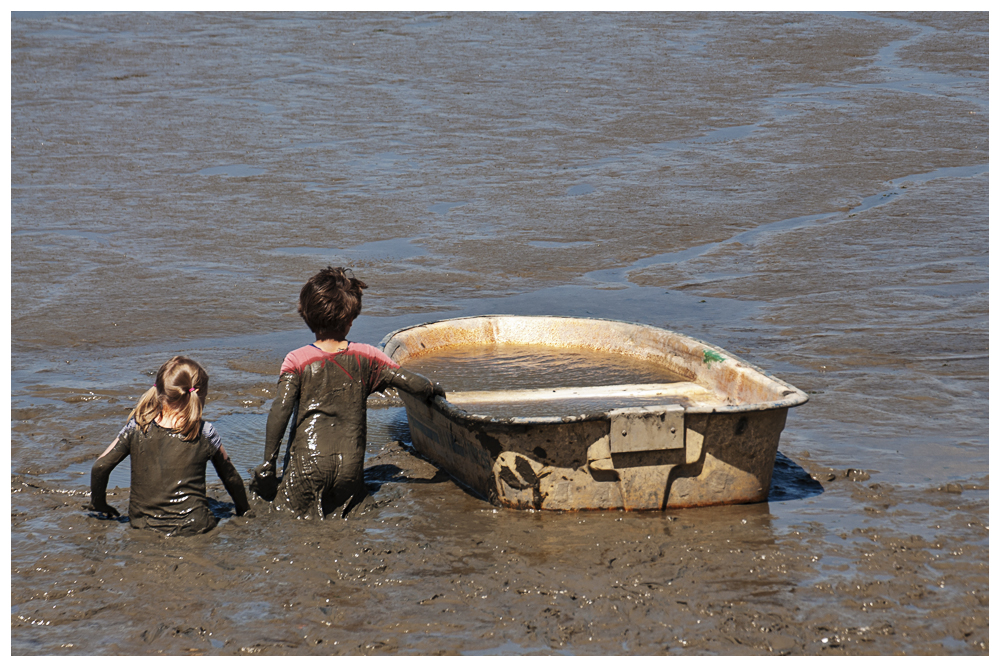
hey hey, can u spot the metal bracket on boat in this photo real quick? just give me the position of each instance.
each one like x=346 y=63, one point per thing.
x=647 y=429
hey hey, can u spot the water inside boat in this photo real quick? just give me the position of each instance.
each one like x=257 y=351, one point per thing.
x=550 y=381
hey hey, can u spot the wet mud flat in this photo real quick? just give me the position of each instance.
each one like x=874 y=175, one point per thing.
x=809 y=191
x=428 y=569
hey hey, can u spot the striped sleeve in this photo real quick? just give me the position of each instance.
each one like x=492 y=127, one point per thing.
x=128 y=427
x=213 y=436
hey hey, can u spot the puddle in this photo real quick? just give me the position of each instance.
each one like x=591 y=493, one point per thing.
x=560 y=244
x=388 y=250
x=445 y=207
x=235 y=170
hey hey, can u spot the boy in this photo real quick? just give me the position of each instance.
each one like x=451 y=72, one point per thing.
x=325 y=387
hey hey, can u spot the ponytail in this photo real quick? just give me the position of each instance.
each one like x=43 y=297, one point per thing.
x=181 y=386
x=190 y=416
x=147 y=409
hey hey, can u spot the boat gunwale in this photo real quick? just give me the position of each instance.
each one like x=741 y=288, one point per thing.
x=794 y=397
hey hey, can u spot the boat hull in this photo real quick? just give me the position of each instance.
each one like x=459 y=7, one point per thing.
x=649 y=458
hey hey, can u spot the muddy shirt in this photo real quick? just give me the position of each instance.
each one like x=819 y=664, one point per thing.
x=325 y=396
x=168 y=478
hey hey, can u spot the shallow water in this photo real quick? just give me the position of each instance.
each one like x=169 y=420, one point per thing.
x=809 y=192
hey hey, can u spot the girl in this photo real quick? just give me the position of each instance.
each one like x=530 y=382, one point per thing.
x=169 y=444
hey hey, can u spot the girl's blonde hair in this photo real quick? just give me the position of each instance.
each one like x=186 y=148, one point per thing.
x=181 y=386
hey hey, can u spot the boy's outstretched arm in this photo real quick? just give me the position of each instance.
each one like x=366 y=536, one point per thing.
x=264 y=477
x=414 y=383
x=231 y=480
x=100 y=473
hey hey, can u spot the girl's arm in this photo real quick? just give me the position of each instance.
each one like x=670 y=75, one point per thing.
x=110 y=447
x=231 y=480
x=100 y=473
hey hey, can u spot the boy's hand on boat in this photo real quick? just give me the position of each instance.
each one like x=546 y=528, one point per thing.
x=430 y=390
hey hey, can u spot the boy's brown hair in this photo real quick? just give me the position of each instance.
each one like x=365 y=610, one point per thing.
x=330 y=301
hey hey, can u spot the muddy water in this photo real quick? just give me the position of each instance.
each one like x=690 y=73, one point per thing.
x=499 y=367
x=809 y=192
x=512 y=367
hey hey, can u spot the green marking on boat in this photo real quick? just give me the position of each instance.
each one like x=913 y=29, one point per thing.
x=711 y=356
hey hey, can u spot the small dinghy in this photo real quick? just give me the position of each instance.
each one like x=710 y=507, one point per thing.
x=705 y=433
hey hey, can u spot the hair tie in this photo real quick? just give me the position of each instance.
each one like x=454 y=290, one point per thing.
x=192 y=390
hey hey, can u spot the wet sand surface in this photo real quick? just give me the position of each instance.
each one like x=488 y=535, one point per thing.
x=809 y=192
